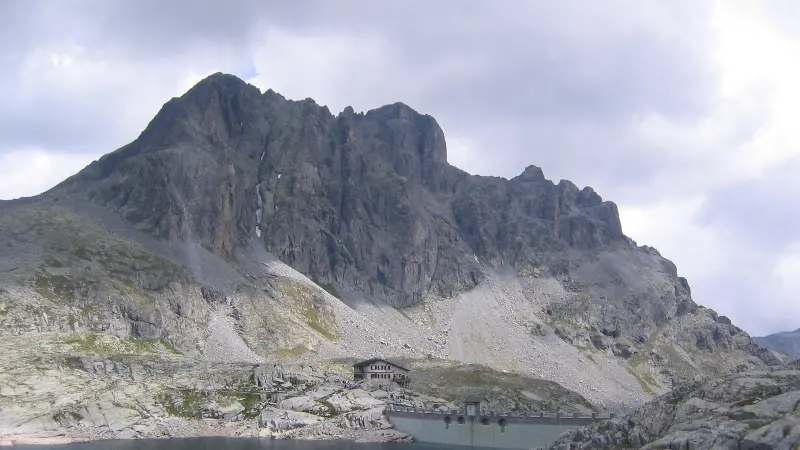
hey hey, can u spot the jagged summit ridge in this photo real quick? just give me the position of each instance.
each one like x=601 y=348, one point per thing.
x=531 y=173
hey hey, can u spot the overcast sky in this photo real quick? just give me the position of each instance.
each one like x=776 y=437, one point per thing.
x=685 y=113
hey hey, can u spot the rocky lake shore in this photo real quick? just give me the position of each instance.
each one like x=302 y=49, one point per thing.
x=145 y=390
x=61 y=387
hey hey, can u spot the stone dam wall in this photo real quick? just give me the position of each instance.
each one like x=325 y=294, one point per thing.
x=532 y=431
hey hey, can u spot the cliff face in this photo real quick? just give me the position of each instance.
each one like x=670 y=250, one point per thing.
x=175 y=236
x=364 y=201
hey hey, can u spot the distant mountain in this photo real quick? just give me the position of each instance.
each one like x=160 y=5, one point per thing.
x=786 y=342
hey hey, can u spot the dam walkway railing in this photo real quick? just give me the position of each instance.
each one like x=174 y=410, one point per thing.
x=458 y=415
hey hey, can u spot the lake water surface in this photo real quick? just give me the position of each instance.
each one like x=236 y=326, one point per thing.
x=221 y=443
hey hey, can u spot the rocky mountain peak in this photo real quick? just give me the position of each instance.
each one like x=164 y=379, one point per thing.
x=531 y=173
x=365 y=201
x=222 y=226
x=219 y=82
x=399 y=119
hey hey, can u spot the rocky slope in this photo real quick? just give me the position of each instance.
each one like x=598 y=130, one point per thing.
x=786 y=343
x=744 y=411
x=241 y=227
x=63 y=387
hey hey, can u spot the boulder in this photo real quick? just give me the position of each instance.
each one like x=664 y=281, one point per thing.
x=383 y=436
x=356 y=399
x=303 y=403
x=283 y=419
x=782 y=434
x=369 y=419
x=224 y=411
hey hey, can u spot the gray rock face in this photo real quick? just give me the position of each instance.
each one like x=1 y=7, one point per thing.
x=364 y=201
x=749 y=410
x=786 y=342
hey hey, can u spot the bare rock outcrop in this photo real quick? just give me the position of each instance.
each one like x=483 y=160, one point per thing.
x=749 y=410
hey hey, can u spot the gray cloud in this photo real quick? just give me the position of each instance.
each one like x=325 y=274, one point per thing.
x=131 y=47
x=522 y=80
x=747 y=297
x=760 y=213
x=536 y=66
x=556 y=84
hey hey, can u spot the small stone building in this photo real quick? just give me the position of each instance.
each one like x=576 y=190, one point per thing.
x=476 y=406
x=380 y=370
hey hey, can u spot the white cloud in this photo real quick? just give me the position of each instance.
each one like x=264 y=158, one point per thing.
x=757 y=85
x=777 y=303
x=668 y=225
x=462 y=153
x=786 y=271
x=27 y=172
x=67 y=106
x=335 y=70
x=756 y=57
